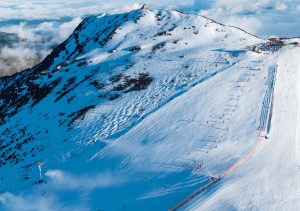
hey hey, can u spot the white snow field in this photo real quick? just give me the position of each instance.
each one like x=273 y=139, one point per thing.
x=138 y=110
x=270 y=179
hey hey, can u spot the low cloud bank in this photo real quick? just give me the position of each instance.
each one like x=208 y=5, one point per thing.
x=35 y=201
x=54 y=195
x=63 y=180
x=261 y=17
x=34 y=44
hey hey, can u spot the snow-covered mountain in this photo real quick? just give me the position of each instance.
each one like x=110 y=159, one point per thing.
x=135 y=111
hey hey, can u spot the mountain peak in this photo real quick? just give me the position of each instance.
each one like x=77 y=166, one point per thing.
x=106 y=59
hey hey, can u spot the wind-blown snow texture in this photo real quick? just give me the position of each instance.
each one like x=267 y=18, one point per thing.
x=133 y=110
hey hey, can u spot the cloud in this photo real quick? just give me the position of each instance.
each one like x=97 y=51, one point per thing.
x=34 y=44
x=51 y=196
x=55 y=9
x=281 y=6
x=241 y=6
x=261 y=17
x=252 y=24
x=63 y=180
x=33 y=202
x=232 y=6
x=17 y=58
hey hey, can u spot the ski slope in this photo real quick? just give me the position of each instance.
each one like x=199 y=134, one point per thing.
x=136 y=111
x=269 y=180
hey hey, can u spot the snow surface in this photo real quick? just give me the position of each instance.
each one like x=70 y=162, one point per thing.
x=269 y=180
x=104 y=145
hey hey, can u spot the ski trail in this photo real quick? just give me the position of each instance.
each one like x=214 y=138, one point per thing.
x=269 y=180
